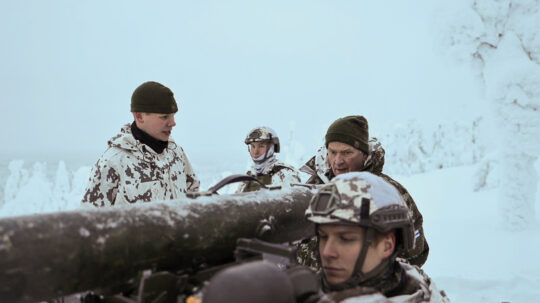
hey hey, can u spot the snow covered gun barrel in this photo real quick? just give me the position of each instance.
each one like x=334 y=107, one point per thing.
x=51 y=255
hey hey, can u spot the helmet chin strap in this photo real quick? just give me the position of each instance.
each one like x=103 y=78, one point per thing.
x=368 y=240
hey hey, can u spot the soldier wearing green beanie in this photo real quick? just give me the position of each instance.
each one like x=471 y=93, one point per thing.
x=153 y=97
x=142 y=163
x=349 y=149
x=351 y=130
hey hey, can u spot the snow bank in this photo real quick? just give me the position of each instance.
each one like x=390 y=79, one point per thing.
x=30 y=191
x=472 y=256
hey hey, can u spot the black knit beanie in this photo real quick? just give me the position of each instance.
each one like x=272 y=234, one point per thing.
x=153 y=97
x=352 y=130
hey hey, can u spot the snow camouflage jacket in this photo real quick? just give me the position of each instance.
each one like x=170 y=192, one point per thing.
x=129 y=172
x=407 y=284
x=321 y=173
x=276 y=173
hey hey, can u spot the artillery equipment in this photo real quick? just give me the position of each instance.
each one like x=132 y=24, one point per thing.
x=48 y=256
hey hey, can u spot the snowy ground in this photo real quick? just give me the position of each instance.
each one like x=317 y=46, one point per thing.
x=472 y=258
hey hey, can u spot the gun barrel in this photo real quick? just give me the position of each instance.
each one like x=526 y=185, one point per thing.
x=51 y=255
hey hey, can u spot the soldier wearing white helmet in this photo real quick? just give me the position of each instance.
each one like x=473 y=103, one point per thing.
x=362 y=224
x=263 y=144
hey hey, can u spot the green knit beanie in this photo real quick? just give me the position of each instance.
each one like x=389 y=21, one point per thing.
x=153 y=97
x=352 y=130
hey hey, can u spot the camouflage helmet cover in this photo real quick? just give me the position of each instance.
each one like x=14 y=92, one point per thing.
x=262 y=134
x=362 y=198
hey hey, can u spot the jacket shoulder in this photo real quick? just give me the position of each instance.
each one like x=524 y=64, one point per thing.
x=279 y=165
x=402 y=190
x=427 y=290
x=309 y=167
x=358 y=294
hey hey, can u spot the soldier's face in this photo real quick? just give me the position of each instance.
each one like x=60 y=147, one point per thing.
x=339 y=248
x=159 y=126
x=257 y=149
x=344 y=158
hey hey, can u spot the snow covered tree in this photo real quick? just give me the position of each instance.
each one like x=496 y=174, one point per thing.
x=17 y=177
x=412 y=148
x=61 y=187
x=501 y=39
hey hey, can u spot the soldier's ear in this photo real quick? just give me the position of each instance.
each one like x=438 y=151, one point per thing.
x=389 y=244
x=138 y=117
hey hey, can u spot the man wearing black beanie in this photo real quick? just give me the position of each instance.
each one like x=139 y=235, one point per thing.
x=348 y=149
x=142 y=163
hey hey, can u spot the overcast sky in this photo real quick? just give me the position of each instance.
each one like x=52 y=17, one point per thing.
x=68 y=69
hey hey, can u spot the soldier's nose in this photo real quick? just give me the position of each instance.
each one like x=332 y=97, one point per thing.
x=328 y=250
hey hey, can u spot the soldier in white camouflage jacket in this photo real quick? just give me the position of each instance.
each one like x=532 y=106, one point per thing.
x=263 y=144
x=142 y=163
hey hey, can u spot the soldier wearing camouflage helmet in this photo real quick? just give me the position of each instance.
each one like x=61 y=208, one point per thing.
x=362 y=224
x=263 y=144
x=348 y=148
x=142 y=163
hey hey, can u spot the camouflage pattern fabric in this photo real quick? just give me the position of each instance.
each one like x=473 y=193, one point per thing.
x=259 y=134
x=276 y=173
x=320 y=169
x=348 y=192
x=366 y=294
x=129 y=172
x=402 y=283
x=307 y=254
